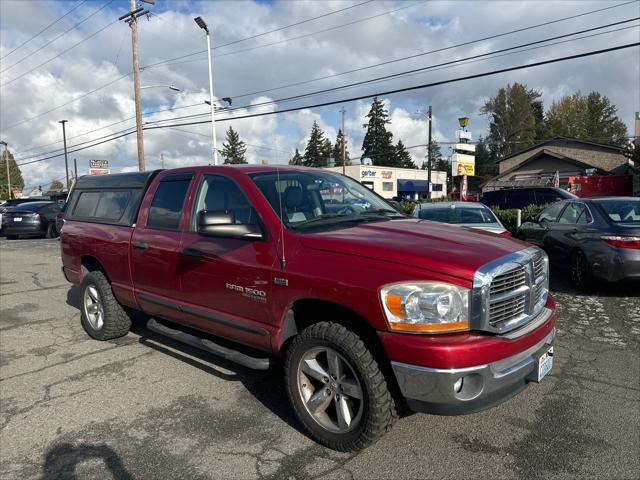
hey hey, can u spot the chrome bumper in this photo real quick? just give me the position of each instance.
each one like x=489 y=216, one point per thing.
x=434 y=390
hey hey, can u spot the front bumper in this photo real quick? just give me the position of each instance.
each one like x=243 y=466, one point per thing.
x=433 y=390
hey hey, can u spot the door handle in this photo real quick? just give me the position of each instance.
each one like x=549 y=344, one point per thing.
x=141 y=245
x=192 y=252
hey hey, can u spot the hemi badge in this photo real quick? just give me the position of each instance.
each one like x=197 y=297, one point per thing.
x=281 y=281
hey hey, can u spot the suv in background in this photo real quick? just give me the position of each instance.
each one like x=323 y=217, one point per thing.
x=522 y=197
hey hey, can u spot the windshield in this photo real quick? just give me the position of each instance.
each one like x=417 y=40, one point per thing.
x=30 y=207
x=621 y=210
x=306 y=198
x=457 y=214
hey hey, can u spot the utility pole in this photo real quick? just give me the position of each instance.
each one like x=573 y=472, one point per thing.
x=344 y=142
x=132 y=20
x=6 y=157
x=429 y=157
x=66 y=161
x=202 y=24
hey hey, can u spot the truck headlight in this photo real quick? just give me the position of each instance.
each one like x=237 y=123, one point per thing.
x=426 y=307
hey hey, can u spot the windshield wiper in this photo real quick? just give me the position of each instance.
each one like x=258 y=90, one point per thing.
x=382 y=211
x=324 y=216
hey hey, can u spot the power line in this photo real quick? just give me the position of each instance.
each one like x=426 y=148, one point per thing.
x=56 y=38
x=442 y=49
x=171 y=61
x=439 y=66
x=361 y=97
x=44 y=29
x=59 y=54
x=346 y=72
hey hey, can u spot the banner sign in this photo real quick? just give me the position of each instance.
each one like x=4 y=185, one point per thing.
x=99 y=167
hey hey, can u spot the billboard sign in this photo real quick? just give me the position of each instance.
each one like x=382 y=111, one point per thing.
x=99 y=167
x=462 y=164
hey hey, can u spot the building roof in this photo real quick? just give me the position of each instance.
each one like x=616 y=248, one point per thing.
x=555 y=139
x=544 y=152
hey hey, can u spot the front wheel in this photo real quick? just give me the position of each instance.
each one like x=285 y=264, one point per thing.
x=337 y=389
x=102 y=317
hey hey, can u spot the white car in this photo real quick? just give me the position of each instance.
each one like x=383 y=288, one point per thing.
x=467 y=214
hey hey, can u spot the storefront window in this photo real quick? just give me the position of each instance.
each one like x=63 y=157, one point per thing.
x=387 y=186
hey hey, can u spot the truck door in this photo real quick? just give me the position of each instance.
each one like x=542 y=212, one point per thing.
x=155 y=246
x=226 y=282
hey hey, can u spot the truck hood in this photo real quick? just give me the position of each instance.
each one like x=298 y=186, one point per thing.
x=418 y=243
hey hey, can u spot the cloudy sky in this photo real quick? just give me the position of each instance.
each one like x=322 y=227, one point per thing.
x=79 y=69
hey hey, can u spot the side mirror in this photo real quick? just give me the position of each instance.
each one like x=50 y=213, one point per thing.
x=222 y=224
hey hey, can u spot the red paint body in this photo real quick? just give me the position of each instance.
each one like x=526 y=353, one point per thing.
x=346 y=267
x=601 y=186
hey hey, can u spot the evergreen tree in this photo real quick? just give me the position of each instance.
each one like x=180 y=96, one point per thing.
x=378 y=142
x=591 y=118
x=434 y=157
x=233 y=149
x=403 y=157
x=17 y=182
x=297 y=159
x=512 y=119
x=327 y=152
x=486 y=167
x=538 y=114
x=314 y=154
x=337 y=150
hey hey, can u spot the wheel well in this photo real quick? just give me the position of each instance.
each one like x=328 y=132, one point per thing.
x=91 y=264
x=304 y=313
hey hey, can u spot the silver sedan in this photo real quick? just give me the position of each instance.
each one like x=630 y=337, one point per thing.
x=467 y=214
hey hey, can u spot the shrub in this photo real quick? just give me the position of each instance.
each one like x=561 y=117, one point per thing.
x=407 y=207
x=508 y=217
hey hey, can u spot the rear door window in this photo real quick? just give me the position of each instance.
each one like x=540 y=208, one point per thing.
x=544 y=197
x=166 y=207
x=519 y=198
x=551 y=213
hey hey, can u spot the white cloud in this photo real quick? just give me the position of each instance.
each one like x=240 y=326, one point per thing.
x=172 y=33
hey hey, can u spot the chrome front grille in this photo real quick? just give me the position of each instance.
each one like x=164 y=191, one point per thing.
x=510 y=291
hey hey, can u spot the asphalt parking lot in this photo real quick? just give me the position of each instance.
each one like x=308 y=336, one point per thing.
x=145 y=407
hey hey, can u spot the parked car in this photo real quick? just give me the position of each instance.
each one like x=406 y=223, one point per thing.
x=359 y=302
x=10 y=203
x=522 y=197
x=467 y=214
x=30 y=219
x=594 y=238
x=60 y=218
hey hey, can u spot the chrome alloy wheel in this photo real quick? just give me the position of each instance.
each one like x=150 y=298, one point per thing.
x=330 y=389
x=93 y=309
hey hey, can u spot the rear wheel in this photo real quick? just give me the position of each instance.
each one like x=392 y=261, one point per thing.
x=102 y=317
x=580 y=272
x=337 y=389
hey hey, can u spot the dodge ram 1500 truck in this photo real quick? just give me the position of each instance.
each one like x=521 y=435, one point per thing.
x=370 y=310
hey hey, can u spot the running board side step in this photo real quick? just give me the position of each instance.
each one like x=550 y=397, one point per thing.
x=209 y=346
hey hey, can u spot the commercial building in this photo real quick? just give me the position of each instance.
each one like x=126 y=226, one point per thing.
x=390 y=182
x=570 y=157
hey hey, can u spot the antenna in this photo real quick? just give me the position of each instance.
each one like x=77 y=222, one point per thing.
x=283 y=260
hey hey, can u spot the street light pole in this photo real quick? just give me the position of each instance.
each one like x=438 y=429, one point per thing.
x=429 y=158
x=6 y=157
x=66 y=161
x=201 y=23
x=344 y=141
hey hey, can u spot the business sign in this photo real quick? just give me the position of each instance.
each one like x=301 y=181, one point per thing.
x=462 y=164
x=369 y=174
x=386 y=174
x=99 y=167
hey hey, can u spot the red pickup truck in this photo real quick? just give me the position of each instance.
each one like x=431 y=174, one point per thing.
x=370 y=310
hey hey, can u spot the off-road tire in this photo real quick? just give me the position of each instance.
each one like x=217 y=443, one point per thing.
x=116 y=321
x=379 y=409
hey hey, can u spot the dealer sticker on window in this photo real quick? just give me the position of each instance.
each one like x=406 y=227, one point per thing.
x=545 y=362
